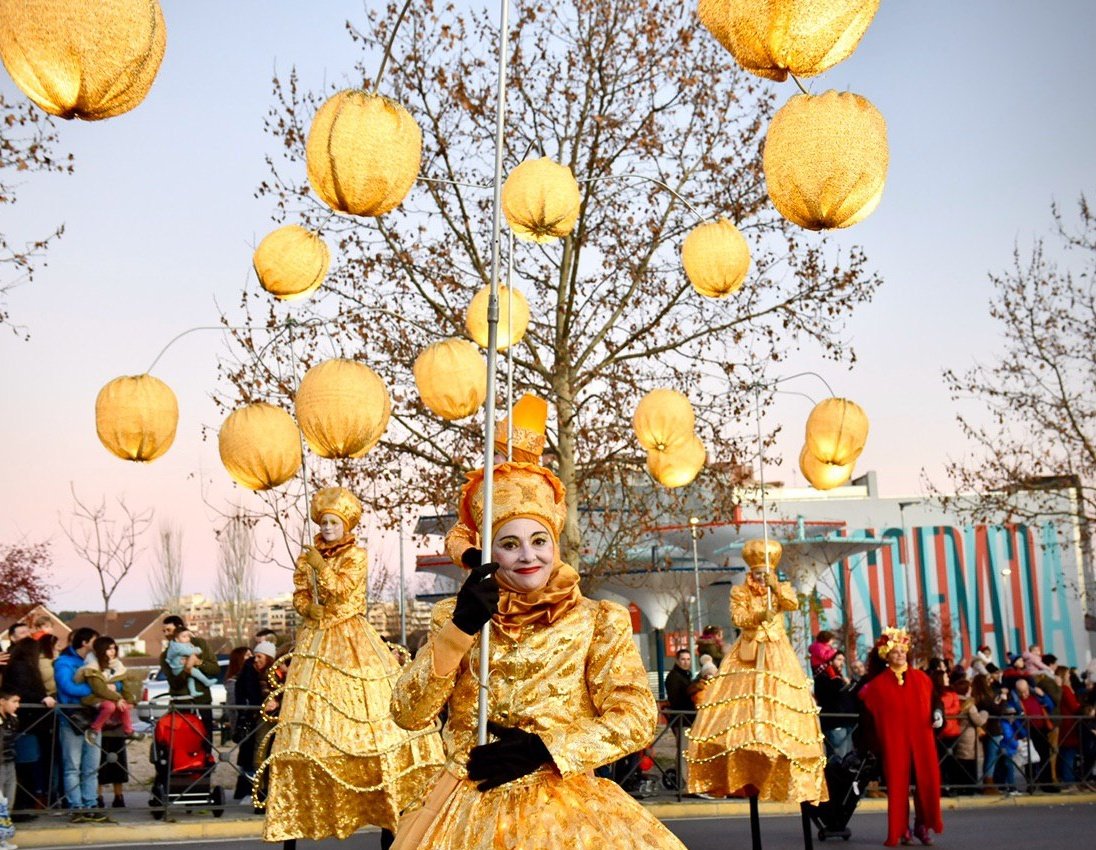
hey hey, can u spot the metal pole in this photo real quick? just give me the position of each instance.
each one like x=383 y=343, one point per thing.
x=492 y=358
x=694 y=522
x=761 y=478
x=403 y=607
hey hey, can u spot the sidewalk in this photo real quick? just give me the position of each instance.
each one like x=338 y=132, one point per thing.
x=136 y=826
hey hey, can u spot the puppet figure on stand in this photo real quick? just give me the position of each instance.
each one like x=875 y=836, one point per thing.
x=338 y=760
x=757 y=728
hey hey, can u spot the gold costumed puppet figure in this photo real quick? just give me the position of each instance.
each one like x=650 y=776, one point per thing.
x=530 y=419
x=756 y=729
x=338 y=761
x=567 y=693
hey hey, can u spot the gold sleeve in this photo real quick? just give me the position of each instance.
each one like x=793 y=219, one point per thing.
x=459 y=538
x=786 y=598
x=302 y=586
x=337 y=585
x=421 y=692
x=745 y=614
x=625 y=713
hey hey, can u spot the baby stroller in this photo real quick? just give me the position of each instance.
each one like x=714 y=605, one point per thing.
x=846 y=779
x=184 y=766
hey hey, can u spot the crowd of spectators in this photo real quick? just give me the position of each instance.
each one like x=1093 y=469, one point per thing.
x=1029 y=723
x=67 y=713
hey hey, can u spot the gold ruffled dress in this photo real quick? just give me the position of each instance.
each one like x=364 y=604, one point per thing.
x=577 y=682
x=338 y=760
x=758 y=722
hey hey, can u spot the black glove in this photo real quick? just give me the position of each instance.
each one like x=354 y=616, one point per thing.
x=477 y=600
x=471 y=557
x=515 y=754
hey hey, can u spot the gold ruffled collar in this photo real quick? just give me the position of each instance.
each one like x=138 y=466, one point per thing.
x=900 y=673
x=332 y=550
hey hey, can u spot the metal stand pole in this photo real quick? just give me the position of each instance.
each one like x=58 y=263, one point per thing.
x=808 y=835
x=492 y=358
x=755 y=823
x=403 y=604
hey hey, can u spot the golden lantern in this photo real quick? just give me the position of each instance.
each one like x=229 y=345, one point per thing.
x=260 y=446
x=452 y=378
x=512 y=325
x=716 y=258
x=342 y=408
x=772 y=38
x=291 y=262
x=136 y=417
x=82 y=59
x=363 y=153
x=825 y=159
x=540 y=200
x=663 y=420
x=678 y=467
x=837 y=431
x=823 y=476
x=762 y=554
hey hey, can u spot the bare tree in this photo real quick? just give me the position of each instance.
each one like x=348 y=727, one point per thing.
x=27 y=140
x=647 y=110
x=236 y=574
x=166 y=579
x=110 y=544
x=1034 y=438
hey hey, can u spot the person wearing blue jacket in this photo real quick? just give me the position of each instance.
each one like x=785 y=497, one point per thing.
x=80 y=749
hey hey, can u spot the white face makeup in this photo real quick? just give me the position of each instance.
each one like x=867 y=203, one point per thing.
x=331 y=528
x=525 y=553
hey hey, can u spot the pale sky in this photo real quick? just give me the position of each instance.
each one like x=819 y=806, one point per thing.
x=990 y=117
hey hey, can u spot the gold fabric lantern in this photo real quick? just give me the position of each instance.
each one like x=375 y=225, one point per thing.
x=342 y=408
x=760 y=554
x=452 y=378
x=136 y=417
x=772 y=38
x=825 y=159
x=541 y=200
x=664 y=420
x=823 y=476
x=83 y=59
x=512 y=323
x=678 y=467
x=837 y=430
x=716 y=258
x=260 y=446
x=363 y=153
x=291 y=262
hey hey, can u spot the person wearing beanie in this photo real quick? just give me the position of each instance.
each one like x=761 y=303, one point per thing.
x=568 y=692
x=338 y=761
x=527 y=424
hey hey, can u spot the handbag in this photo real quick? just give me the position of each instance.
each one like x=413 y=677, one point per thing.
x=1025 y=754
x=79 y=717
x=27 y=750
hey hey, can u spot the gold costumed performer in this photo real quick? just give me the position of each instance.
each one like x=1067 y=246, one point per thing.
x=757 y=728
x=338 y=761
x=567 y=693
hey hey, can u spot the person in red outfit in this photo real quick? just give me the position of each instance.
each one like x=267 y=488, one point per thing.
x=900 y=702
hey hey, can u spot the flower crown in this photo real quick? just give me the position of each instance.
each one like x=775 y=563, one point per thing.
x=890 y=640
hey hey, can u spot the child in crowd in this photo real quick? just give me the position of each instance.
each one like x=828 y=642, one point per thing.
x=9 y=728
x=179 y=649
x=105 y=673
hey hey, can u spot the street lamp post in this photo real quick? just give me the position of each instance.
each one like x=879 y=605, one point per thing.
x=694 y=527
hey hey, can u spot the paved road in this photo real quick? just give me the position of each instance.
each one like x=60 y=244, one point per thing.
x=1045 y=827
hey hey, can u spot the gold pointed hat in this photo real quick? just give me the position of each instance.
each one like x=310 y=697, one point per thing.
x=520 y=490
x=530 y=417
x=762 y=554
x=338 y=501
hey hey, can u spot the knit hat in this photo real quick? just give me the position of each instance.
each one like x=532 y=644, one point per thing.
x=266 y=648
x=708 y=670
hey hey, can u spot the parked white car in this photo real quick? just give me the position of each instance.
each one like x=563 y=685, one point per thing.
x=155 y=698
